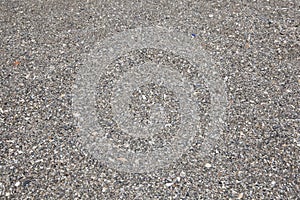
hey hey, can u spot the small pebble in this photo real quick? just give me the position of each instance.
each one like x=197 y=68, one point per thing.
x=182 y=174
x=169 y=184
x=273 y=183
x=26 y=183
x=207 y=165
x=240 y=195
x=104 y=189
x=17 y=184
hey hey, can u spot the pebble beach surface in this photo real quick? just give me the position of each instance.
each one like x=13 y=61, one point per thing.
x=244 y=144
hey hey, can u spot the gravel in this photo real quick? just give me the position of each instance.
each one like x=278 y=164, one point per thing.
x=255 y=48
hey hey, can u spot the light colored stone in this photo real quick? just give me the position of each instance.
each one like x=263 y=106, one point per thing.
x=18 y=184
x=207 y=165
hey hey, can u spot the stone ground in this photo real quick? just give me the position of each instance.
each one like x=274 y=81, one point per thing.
x=255 y=47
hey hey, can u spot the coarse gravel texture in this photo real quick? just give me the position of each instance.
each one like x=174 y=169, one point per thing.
x=255 y=45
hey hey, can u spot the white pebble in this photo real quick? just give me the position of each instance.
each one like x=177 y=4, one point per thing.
x=207 y=165
x=182 y=174
x=273 y=182
x=240 y=195
x=169 y=184
x=17 y=184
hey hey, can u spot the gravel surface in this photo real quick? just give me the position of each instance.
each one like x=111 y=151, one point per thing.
x=255 y=48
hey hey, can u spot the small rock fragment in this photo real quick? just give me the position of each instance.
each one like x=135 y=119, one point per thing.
x=17 y=184
x=207 y=165
x=240 y=195
x=182 y=174
x=273 y=183
x=169 y=184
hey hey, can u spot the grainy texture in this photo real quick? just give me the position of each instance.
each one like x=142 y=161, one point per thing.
x=255 y=45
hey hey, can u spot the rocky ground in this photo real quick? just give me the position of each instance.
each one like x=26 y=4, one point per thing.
x=255 y=49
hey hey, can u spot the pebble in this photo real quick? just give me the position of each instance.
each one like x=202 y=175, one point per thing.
x=182 y=174
x=240 y=196
x=18 y=184
x=104 y=189
x=169 y=184
x=2 y=188
x=207 y=165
